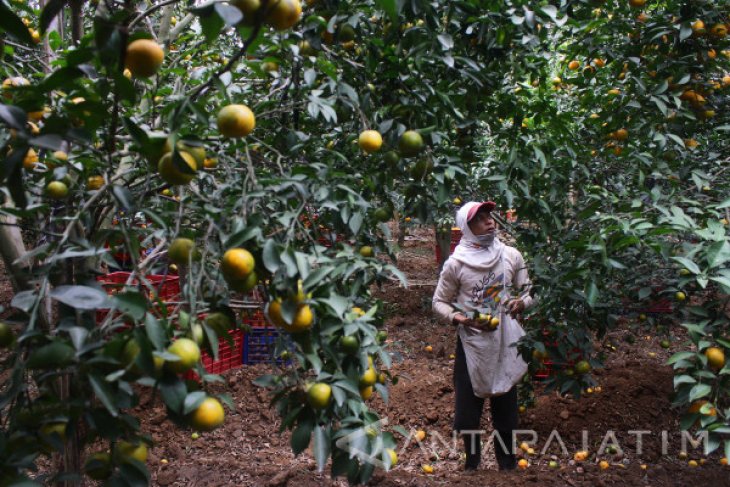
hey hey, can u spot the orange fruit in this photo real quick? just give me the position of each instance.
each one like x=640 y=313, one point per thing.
x=580 y=456
x=410 y=143
x=129 y=450
x=719 y=30
x=283 y=14
x=31 y=160
x=370 y=141
x=171 y=174
x=603 y=465
x=599 y=63
x=94 y=183
x=697 y=405
x=369 y=377
x=247 y=7
x=245 y=285
x=698 y=27
x=393 y=456
x=98 y=466
x=181 y=251
x=680 y=296
x=237 y=264
x=715 y=358
x=319 y=395
x=573 y=65
x=427 y=469
x=366 y=251
x=236 y=120
x=57 y=190
x=583 y=367
x=522 y=464
x=637 y=3
x=621 y=134
x=188 y=352
x=366 y=392
x=7 y=337
x=208 y=416
x=144 y=57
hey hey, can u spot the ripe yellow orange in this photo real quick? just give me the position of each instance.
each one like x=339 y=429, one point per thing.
x=393 y=456
x=247 y=7
x=637 y=3
x=420 y=435
x=427 y=469
x=94 y=183
x=573 y=65
x=723 y=461
x=599 y=63
x=580 y=456
x=621 y=134
x=369 y=377
x=171 y=174
x=370 y=141
x=144 y=57
x=210 y=163
x=208 y=416
x=603 y=465
x=410 y=143
x=366 y=251
x=181 y=251
x=697 y=405
x=57 y=190
x=236 y=121
x=128 y=450
x=522 y=464
x=188 y=352
x=698 y=27
x=237 y=264
x=680 y=296
x=284 y=14
x=719 y=30
x=366 y=392
x=303 y=319
x=715 y=358
x=319 y=395
x=31 y=160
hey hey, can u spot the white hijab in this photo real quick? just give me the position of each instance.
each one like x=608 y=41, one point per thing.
x=469 y=251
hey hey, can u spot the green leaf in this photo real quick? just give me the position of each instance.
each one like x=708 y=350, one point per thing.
x=124 y=197
x=155 y=332
x=81 y=297
x=272 y=262
x=391 y=8
x=301 y=436
x=321 y=447
x=50 y=142
x=592 y=294
x=680 y=356
x=132 y=303
x=104 y=393
x=50 y=11
x=698 y=391
x=211 y=23
x=231 y=15
x=13 y=116
x=688 y=264
x=683 y=379
x=11 y=23
x=193 y=400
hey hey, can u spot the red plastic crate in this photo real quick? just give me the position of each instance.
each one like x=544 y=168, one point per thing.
x=255 y=318
x=455 y=238
x=229 y=357
x=166 y=288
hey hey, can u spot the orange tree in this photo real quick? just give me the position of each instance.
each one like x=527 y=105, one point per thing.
x=277 y=189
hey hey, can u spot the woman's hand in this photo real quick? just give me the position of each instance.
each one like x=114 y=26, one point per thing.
x=515 y=307
x=482 y=325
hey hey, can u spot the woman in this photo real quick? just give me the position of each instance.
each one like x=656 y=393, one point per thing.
x=482 y=287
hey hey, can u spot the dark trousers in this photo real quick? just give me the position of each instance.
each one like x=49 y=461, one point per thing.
x=468 y=413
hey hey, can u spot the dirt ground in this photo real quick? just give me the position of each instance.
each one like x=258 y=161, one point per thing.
x=636 y=390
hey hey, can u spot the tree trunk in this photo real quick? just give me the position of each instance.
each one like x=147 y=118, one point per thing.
x=11 y=249
x=77 y=24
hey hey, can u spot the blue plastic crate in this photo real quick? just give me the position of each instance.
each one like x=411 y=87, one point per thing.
x=259 y=346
